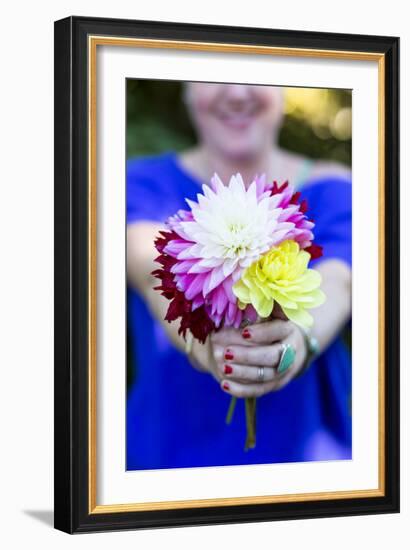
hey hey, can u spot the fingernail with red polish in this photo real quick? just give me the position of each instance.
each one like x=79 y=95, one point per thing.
x=227 y=369
x=246 y=334
x=225 y=386
x=228 y=355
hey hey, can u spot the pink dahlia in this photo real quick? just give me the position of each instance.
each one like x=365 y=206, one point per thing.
x=295 y=212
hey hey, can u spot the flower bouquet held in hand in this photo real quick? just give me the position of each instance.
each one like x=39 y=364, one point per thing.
x=238 y=252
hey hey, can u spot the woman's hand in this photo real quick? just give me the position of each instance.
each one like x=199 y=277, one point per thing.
x=234 y=357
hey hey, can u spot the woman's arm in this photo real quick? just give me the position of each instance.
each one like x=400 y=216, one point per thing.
x=141 y=254
x=331 y=316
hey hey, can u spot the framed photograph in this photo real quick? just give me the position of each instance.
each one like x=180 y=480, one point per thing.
x=226 y=274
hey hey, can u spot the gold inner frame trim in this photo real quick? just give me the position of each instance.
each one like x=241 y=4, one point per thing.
x=93 y=42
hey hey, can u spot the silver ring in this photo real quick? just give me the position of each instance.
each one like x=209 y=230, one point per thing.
x=261 y=374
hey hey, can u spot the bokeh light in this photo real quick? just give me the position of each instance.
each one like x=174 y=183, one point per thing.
x=324 y=110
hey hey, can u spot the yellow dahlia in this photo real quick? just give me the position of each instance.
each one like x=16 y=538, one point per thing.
x=281 y=275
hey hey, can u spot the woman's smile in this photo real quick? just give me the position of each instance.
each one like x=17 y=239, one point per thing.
x=237 y=119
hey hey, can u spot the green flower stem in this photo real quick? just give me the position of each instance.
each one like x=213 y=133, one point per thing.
x=250 y=412
x=231 y=410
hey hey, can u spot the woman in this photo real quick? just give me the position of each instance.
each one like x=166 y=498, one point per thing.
x=177 y=405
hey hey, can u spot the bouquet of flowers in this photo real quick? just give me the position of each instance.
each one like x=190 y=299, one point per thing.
x=237 y=252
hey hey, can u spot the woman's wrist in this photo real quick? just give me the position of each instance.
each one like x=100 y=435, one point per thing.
x=311 y=347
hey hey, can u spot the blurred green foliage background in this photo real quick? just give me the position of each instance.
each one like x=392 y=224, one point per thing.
x=317 y=121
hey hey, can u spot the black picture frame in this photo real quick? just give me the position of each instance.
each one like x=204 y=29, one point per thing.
x=72 y=513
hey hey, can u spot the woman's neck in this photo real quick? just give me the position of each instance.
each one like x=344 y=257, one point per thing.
x=203 y=163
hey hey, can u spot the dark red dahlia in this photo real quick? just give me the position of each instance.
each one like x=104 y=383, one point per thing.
x=315 y=251
x=197 y=320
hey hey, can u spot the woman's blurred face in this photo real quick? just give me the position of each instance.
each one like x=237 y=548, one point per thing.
x=236 y=121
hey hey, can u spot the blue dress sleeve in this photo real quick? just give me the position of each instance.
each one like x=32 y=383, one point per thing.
x=330 y=207
x=144 y=195
x=156 y=189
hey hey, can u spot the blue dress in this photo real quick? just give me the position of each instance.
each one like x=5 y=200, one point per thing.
x=176 y=414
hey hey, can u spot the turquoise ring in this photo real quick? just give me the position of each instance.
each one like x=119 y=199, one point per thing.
x=287 y=358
